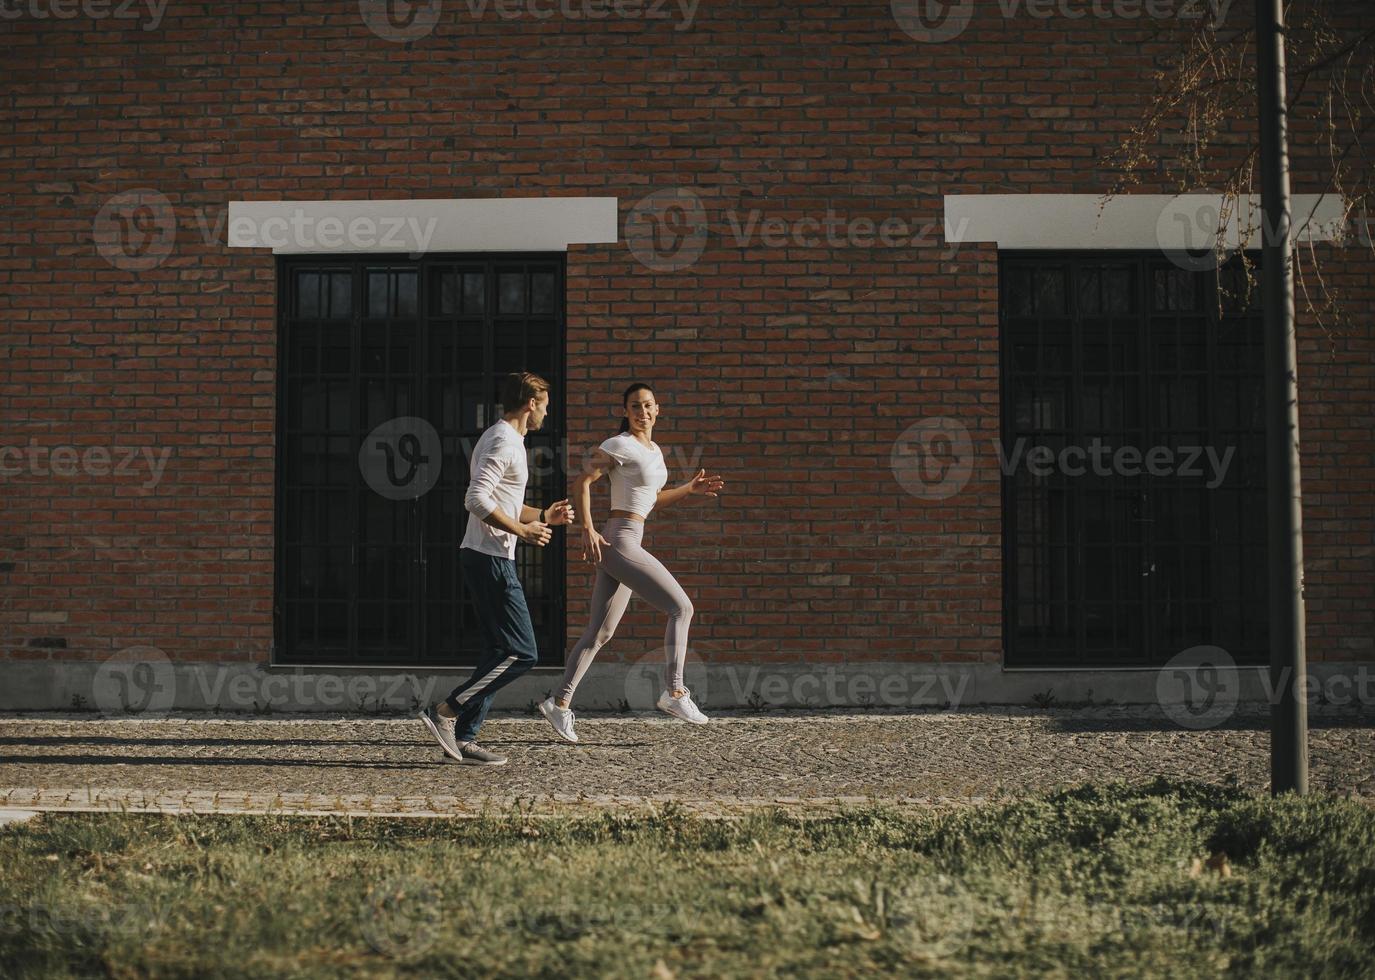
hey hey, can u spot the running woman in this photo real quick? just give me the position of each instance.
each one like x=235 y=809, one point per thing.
x=637 y=476
x=497 y=519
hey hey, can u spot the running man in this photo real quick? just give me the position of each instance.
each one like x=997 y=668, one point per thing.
x=497 y=518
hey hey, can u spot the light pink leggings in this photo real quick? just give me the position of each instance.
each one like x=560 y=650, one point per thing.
x=625 y=568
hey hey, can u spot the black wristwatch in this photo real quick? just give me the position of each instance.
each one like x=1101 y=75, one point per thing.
x=541 y=515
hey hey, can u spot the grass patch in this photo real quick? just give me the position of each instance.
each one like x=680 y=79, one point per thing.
x=1166 y=878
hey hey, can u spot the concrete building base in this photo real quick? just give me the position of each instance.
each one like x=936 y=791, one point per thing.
x=153 y=685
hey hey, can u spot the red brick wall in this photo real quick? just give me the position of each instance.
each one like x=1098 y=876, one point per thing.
x=794 y=369
x=1337 y=450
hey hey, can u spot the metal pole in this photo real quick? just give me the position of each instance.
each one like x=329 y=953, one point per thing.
x=1289 y=710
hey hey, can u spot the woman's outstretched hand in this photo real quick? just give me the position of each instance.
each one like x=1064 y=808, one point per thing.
x=592 y=542
x=704 y=484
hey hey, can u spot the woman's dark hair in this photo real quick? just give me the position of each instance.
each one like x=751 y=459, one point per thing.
x=625 y=400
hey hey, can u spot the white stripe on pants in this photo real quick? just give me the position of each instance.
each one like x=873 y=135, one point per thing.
x=491 y=676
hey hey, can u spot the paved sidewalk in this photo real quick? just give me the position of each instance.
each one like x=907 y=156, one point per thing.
x=809 y=762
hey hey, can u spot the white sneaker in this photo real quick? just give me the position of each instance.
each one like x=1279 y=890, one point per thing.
x=682 y=707
x=560 y=718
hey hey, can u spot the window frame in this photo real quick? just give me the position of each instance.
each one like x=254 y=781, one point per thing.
x=551 y=560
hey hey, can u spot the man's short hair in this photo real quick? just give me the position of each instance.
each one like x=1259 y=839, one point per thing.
x=519 y=387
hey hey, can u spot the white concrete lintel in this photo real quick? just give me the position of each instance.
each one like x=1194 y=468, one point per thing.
x=1128 y=221
x=510 y=224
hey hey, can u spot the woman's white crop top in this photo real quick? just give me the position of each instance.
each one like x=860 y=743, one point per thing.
x=638 y=476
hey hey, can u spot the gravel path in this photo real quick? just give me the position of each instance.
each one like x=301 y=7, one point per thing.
x=808 y=761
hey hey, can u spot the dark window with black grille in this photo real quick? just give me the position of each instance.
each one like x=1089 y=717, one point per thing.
x=390 y=370
x=1113 y=557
